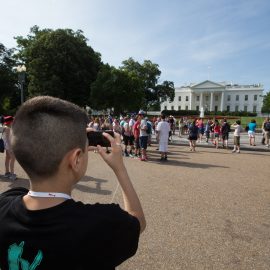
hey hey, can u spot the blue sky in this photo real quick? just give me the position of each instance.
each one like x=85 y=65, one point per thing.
x=191 y=41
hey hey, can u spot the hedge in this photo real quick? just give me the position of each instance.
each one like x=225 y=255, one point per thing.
x=194 y=112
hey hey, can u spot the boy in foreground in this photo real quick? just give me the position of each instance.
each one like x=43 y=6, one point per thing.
x=44 y=228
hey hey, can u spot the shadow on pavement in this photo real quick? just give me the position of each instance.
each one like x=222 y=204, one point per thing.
x=19 y=182
x=98 y=189
x=184 y=164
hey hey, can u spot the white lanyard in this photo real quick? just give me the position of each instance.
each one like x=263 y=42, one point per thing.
x=48 y=195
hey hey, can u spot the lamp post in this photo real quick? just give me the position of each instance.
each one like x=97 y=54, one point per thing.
x=21 y=69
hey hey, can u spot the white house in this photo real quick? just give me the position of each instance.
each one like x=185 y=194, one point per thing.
x=214 y=96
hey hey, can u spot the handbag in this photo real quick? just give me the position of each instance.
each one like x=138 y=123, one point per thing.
x=2 y=145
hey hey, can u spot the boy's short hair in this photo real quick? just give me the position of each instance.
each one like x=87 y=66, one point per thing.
x=238 y=122
x=45 y=129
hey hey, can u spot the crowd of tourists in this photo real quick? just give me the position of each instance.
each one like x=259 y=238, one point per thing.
x=136 y=131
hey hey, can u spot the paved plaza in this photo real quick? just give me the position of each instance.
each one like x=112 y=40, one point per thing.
x=208 y=209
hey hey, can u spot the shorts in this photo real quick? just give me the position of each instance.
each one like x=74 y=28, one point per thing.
x=193 y=138
x=143 y=142
x=216 y=135
x=137 y=143
x=225 y=136
x=251 y=134
x=128 y=140
x=236 y=140
x=201 y=130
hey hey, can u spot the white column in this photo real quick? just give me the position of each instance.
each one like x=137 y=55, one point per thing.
x=201 y=100
x=211 y=101
x=222 y=102
x=190 y=103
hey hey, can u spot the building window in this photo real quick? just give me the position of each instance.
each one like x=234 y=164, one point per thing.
x=255 y=97
x=246 y=97
x=172 y=108
x=254 y=108
x=206 y=98
x=228 y=98
x=237 y=99
x=179 y=98
x=186 y=108
x=197 y=108
x=236 y=108
x=228 y=108
x=186 y=98
x=216 y=108
x=216 y=97
x=165 y=107
x=197 y=98
x=179 y=108
x=245 y=108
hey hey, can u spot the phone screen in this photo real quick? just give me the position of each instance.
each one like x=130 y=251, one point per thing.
x=96 y=138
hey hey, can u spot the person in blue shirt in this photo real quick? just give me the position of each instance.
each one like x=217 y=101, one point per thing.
x=251 y=132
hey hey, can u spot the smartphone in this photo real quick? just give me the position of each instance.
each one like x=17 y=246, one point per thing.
x=96 y=138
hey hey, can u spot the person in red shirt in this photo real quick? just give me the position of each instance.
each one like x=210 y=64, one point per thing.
x=136 y=133
x=217 y=130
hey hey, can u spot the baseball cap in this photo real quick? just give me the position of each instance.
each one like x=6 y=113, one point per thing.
x=8 y=120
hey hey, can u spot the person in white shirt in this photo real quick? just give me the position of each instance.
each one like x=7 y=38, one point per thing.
x=237 y=130
x=163 y=129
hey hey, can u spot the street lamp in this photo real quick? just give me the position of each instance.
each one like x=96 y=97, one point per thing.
x=21 y=69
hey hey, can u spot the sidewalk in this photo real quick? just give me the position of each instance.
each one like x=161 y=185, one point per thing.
x=244 y=142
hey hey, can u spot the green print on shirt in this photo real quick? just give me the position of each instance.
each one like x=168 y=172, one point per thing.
x=15 y=258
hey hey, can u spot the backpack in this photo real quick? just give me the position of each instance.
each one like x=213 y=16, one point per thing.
x=149 y=128
x=267 y=126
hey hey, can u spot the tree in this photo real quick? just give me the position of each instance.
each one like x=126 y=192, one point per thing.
x=266 y=103
x=9 y=94
x=59 y=63
x=117 y=89
x=148 y=73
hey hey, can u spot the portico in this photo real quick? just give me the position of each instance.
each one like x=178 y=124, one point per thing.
x=207 y=95
x=212 y=96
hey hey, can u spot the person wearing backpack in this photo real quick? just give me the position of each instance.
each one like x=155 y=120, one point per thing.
x=193 y=135
x=225 y=129
x=266 y=128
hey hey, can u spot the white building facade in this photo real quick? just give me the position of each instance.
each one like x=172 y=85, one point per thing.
x=212 y=96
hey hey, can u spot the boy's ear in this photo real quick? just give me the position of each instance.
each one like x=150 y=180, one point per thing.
x=75 y=159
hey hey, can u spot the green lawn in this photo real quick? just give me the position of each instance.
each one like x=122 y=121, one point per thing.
x=245 y=120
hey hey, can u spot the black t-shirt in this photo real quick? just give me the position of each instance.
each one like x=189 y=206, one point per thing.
x=71 y=235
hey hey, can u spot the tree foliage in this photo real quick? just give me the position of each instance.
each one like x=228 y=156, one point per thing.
x=59 y=63
x=148 y=73
x=9 y=94
x=117 y=89
x=266 y=103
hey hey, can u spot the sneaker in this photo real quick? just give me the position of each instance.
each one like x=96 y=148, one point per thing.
x=12 y=176
x=7 y=174
x=233 y=150
x=165 y=158
x=238 y=151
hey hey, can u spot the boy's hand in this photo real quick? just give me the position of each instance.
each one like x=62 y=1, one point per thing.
x=115 y=158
